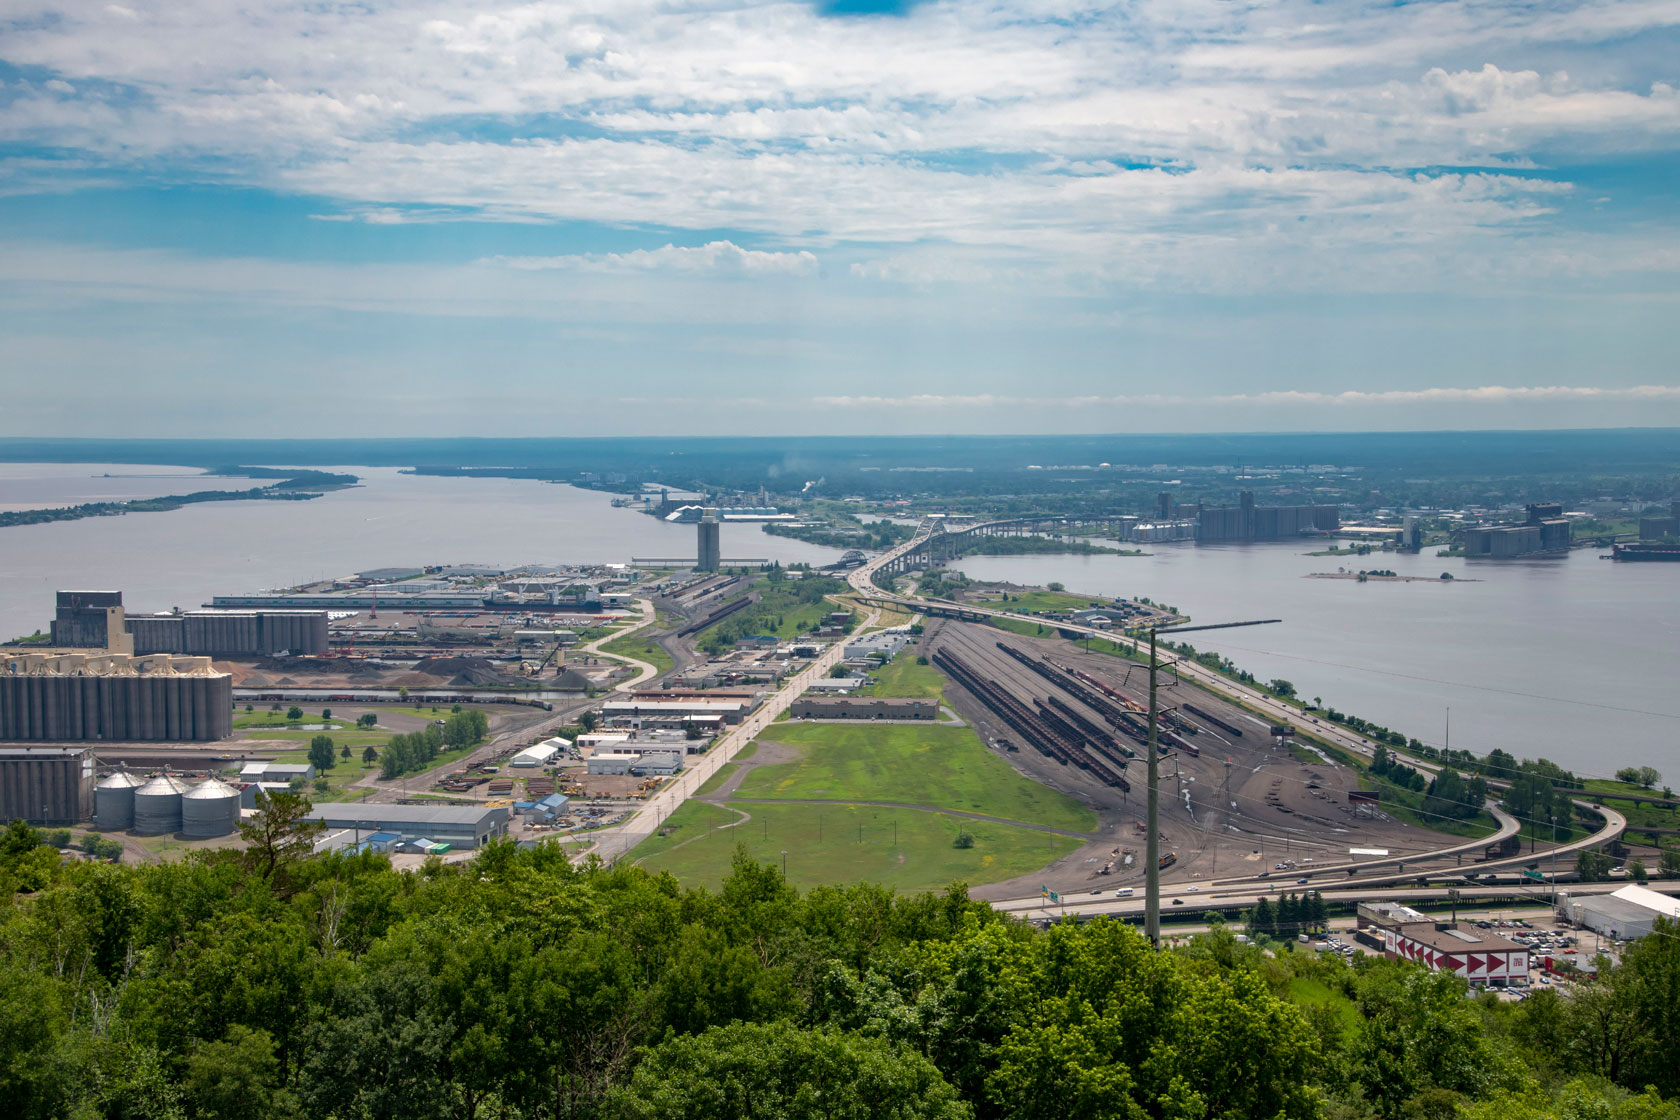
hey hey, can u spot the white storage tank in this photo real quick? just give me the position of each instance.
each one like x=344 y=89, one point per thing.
x=157 y=805
x=113 y=800
x=209 y=809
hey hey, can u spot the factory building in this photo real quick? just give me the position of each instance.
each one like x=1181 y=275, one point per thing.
x=1626 y=915
x=461 y=826
x=1545 y=532
x=46 y=785
x=1248 y=522
x=710 y=543
x=90 y=620
x=863 y=707
x=113 y=698
x=232 y=633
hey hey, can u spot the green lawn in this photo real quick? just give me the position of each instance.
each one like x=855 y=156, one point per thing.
x=903 y=677
x=641 y=646
x=940 y=767
x=1030 y=601
x=717 y=779
x=824 y=845
x=355 y=739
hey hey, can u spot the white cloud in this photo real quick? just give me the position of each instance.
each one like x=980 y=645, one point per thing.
x=1200 y=146
x=723 y=257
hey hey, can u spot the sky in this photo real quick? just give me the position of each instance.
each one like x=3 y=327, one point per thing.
x=648 y=217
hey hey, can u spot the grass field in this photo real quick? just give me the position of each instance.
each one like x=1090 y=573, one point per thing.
x=1030 y=601
x=902 y=677
x=717 y=779
x=940 y=767
x=845 y=843
x=641 y=646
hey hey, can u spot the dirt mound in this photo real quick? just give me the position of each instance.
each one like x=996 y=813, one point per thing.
x=302 y=664
x=285 y=682
x=571 y=681
x=464 y=671
x=256 y=680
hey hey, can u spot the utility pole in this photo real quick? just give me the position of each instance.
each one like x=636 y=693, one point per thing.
x=1152 y=848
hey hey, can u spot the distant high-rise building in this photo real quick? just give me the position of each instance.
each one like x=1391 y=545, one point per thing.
x=711 y=548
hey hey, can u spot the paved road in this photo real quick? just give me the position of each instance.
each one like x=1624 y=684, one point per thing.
x=1090 y=905
x=613 y=842
x=862 y=580
x=645 y=670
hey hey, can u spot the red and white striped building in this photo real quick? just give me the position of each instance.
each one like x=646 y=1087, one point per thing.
x=1480 y=956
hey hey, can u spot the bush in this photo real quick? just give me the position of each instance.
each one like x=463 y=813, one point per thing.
x=964 y=840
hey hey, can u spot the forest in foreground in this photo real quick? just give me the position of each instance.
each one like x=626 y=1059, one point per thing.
x=271 y=983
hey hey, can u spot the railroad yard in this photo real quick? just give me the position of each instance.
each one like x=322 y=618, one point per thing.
x=1281 y=810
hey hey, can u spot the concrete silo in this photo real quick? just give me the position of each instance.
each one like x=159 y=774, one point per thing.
x=209 y=809
x=113 y=800
x=157 y=805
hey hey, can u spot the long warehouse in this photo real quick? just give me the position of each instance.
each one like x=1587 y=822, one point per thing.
x=463 y=826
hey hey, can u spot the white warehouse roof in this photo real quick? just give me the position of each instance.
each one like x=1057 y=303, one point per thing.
x=1651 y=900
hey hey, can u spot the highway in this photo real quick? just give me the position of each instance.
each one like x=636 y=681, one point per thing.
x=863 y=581
x=1232 y=892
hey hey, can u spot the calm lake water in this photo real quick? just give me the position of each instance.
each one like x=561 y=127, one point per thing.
x=1571 y=659
x=183 y=557
x=47 y=485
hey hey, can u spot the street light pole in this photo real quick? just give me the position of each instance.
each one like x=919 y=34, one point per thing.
x=1152 y=848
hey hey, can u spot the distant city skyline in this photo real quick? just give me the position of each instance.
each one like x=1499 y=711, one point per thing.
x=866 y=216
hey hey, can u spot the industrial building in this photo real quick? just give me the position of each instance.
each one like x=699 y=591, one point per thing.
x=461 y=826
x=1545 y=532
x=1657 y=528
x=1248 y=522
x=1625 y=915
x=231 y=633
x=1161 y=532
x=539 y=755
x=280 y=772
x=90 y=620
x=545 y=810
x=663 y=762
x=113 y=698
x=1480 y=956
x=862 y=707
x=96 y=620
x=710 y=542
x=637 y=713
x=46 y=785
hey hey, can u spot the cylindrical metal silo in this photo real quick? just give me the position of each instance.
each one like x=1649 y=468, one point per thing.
x=157 y=805
x=113 y=800
x=209 y=809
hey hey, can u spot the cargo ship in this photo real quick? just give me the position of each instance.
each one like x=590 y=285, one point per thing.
x=1647 y=550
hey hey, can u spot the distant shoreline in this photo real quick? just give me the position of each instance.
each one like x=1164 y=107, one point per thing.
x=291 y=486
